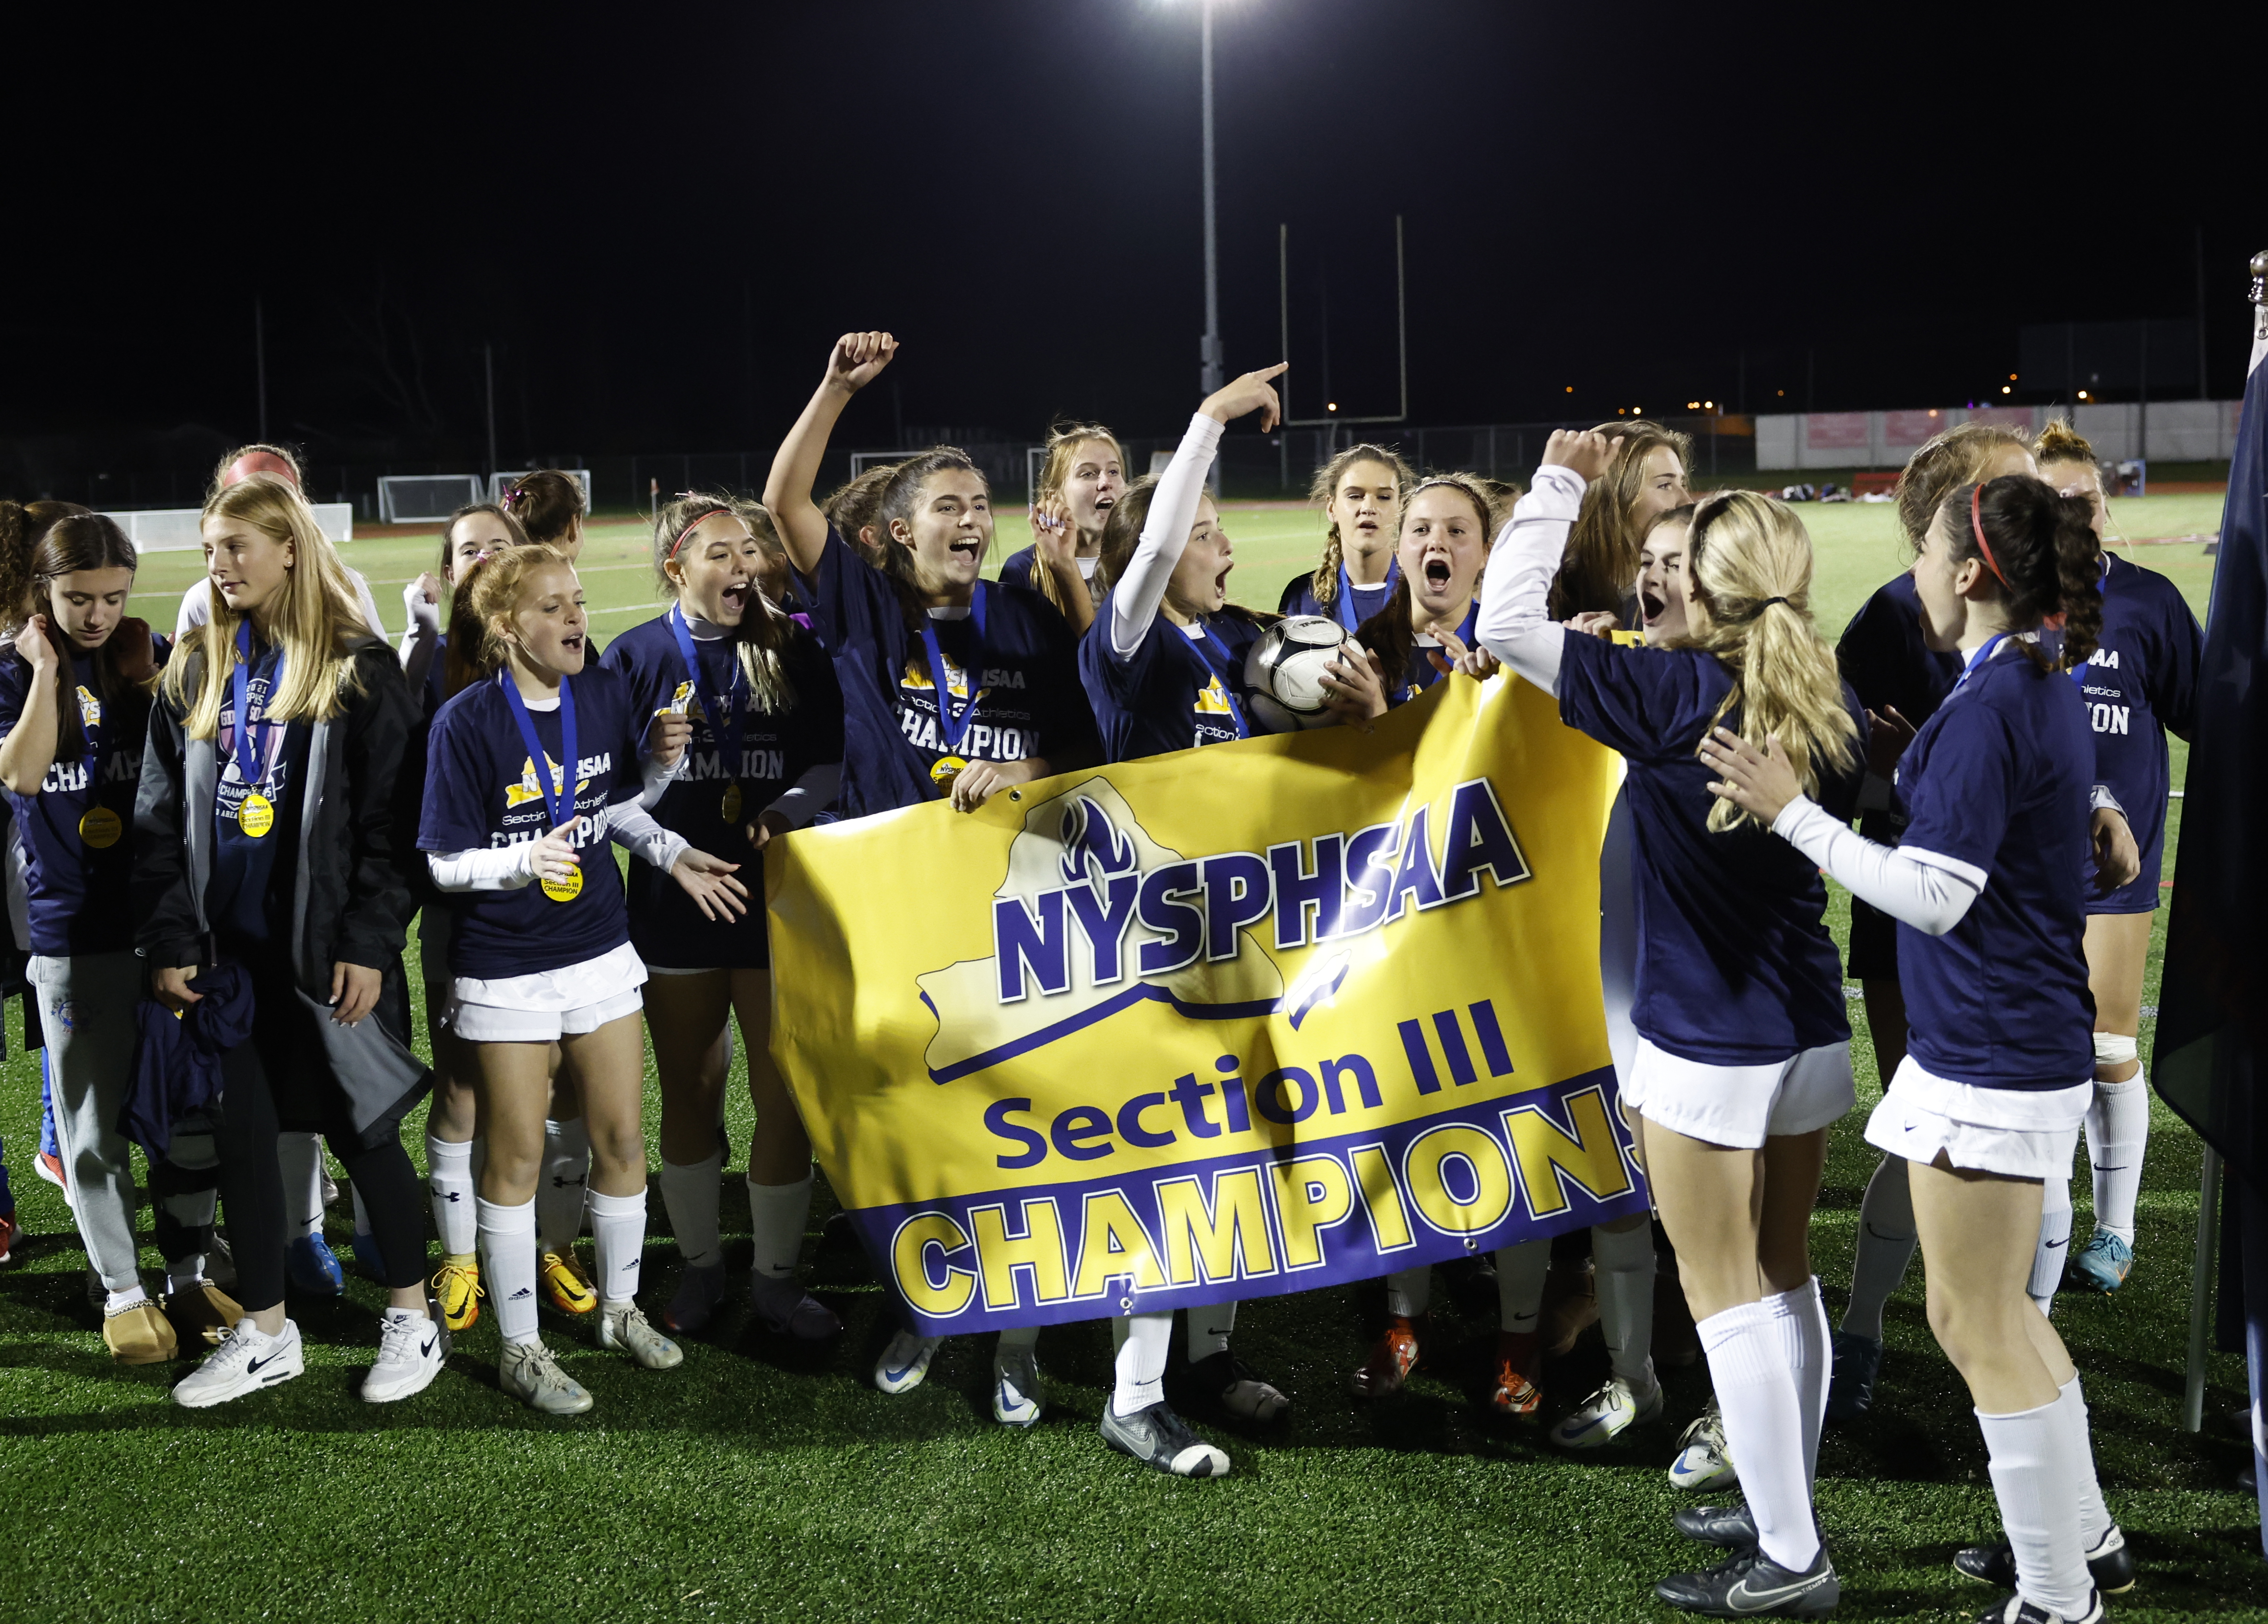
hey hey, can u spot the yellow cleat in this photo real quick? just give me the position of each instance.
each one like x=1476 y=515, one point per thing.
x=458 y=1286
x=565 y=1284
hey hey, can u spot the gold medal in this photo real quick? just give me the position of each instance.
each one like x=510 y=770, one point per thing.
x=944 y=770
x=564 y=890
x=255 y=814
x=100 y=828
x=732 y=804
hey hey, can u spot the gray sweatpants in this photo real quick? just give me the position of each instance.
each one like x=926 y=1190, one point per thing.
x=86 y=1006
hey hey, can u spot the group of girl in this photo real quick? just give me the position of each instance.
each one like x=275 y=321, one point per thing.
x=305 y=791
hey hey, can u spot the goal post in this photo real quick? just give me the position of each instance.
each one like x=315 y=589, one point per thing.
x=426 y=498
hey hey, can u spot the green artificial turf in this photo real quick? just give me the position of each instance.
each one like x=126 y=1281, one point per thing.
x=761 y=1481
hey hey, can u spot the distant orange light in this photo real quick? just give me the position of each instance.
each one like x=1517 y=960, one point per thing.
x=2012 y=377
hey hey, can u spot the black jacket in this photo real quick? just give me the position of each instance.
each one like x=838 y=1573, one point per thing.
x=358 y=829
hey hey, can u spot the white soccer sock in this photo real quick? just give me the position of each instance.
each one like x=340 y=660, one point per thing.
x=1408 y=1291
x=2033 y=1479
x=564 y=1182
x=507 y=1252
x=2054 y=1246
x=1886 y=1248
x=1799 y=1320
x=2095 y=1518
x=1624 y=1274
x=300 y=1157
x=450 y=1178
x=1520 y=1271
x=119 y=1302
x=1143 y=1341
x=2117 y=1133
x=183 y=1273
x=1208 y=1329
x=617 y=1244
x=688 y=1194
x=779 y=1213
x=1764 y=1429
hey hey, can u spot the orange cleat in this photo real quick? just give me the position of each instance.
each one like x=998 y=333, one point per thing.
x=10 y=1232
x=1519 y=1372
x=1392 y=1359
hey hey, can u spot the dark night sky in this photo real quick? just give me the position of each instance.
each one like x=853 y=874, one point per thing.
x=661 y=215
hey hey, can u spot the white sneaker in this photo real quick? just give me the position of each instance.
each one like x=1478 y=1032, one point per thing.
x=905 y=1362
x=246 y=1362
x=629 y=1329
x=1704 y=1461
x=1605 y=1415
x=527 y=1371
x=411 y=1350
x=1017 y=1396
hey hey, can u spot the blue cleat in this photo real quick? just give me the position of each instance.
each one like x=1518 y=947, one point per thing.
x=2105 y=1264
x=1857 y=1363
x=312 y=1267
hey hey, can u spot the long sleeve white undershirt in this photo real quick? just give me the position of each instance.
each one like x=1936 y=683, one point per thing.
x=421 y=639
x=508 y=867
x=1927 y=889
x=1515 y=622
x=809 y=794
x=1139 y=592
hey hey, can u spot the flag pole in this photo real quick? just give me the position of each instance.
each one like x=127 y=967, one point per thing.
x=2201 y=1274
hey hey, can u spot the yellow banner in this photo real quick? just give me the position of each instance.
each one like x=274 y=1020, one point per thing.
x=1232 y=1021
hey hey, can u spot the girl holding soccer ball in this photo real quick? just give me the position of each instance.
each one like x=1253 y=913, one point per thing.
x=1359 y=492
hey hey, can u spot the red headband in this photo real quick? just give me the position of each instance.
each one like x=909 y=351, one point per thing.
x=1976 y=524
x=705 y=513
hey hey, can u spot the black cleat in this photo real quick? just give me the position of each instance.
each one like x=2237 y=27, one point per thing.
x=1734 y=1527
x=1750 y=1585
x=2110 y=1564
x=2016 y=1610
x=1159 y=1438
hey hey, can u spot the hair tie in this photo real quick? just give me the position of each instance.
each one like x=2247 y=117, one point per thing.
x=1976 y=524
x=1768 y=602
x=505 y=500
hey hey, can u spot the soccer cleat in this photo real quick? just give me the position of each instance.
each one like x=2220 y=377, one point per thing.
x=1734 y=1527
x=457 y=1286
x=2104 y=1264
x=1519 y=1368
x=1159 y=1439
x=1749 y=1585
x=699 y=1290
x=1704 y=1462
x=50 y=1168
x=2108 y=1564
x=787 y=1309
x=1018 y=1399
x=10 y=1232
x=627 y=1329
x=2015 y=1610
x=312 y=1267
x=1605 y=1415
x=367 y=1257
x=566 y=1285
x=905 y=1362
x=411 y=1350
x=1392 y=1358
x=1857 y=1365
x=244 y=1362
x=202 y=1313
x=1236 y=1387
x=139 y=1336
x=528 y=1373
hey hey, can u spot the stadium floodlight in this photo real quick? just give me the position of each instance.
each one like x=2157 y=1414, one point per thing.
x=424 y=499
x=498 y=483
x=1283 y=325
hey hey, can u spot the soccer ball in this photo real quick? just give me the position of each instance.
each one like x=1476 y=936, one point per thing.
x=1284 y=672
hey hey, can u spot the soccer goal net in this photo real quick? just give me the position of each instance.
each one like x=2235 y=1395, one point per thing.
x=421 y=499
x=498 y=483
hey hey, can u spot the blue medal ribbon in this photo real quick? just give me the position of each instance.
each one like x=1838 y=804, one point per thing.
x=953 y=725
x=251 y=743
x=1221 y=675
x=1343 y=610
x=560 y=807
x=723 y=710
x=1977 y=663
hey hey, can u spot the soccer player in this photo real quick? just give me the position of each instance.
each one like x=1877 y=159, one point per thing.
x=1165 y=667
x=749 y=700
x=1359 y=492
x=2140 y=684
x=1084 y=475
x=1987 y=887
x=1645 y=478
x=270 y=823
x=548 y=505
x=1738 y=1074
x=528 y=770
x=279 y=463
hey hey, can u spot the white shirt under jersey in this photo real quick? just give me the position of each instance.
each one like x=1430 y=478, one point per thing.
x=196 y=605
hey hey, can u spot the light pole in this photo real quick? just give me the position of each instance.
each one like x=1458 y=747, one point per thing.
x=1209 y=346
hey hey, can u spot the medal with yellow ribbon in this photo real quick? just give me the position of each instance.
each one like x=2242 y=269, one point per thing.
x=720 y=710
x=101 y=827
x=255 y=814
x=559 y=805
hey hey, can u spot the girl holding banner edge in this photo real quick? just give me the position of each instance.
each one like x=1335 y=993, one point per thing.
x=751 y=701
x=1986 y=885
x=526 y=770
x=1734 y=1083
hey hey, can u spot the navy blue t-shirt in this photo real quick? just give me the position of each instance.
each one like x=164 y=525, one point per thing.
x=1735 y=963
x=482 y=791
x=1167 y=695
x=1998 y=779
x=1021 y=566
x=2140 y=683
x=1030 y=702
x=1886 y=663
x=248 y=897
x=1350 y=610
x=76 y=830
x=712 y=801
